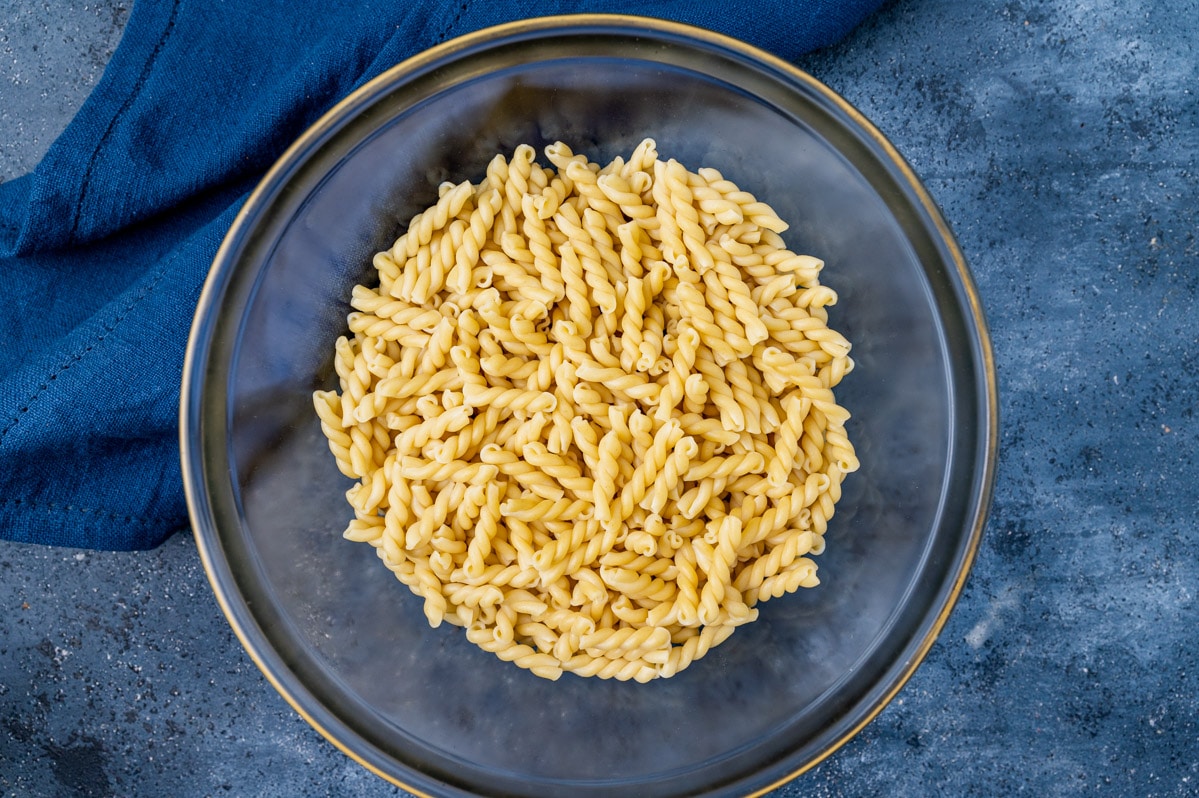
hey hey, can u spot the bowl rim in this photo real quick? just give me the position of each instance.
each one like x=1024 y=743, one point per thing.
x=195 y=488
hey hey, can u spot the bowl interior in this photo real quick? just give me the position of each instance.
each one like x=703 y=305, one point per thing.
x=349 y=645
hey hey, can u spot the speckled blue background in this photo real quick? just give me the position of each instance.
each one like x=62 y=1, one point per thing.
x=1061 y=139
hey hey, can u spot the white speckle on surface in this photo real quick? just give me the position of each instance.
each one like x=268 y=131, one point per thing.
x=981 y=631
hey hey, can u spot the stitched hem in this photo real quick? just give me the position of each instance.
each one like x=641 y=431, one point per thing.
x=78 y=355
x=129 y=98
x=82 y=526
x=96 y=512
x=441 y=37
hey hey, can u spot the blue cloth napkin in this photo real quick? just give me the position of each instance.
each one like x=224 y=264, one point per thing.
x=105 y=246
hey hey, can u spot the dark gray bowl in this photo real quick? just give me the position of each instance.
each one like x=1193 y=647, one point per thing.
x=349 y=646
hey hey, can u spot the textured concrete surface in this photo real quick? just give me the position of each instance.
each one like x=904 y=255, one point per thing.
x=1061 y=138
x=51 y=55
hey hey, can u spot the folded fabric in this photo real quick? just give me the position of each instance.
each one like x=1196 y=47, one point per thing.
x=105 y=246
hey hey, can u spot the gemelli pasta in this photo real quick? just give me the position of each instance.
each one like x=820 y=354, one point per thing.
x=589 y=411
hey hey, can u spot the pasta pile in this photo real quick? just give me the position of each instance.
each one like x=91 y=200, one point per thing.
x=590 y=412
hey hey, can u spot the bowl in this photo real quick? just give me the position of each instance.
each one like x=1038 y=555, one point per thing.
x=349 y=647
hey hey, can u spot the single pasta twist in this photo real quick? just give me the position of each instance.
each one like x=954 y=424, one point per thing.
x=751 y=575
x=511 y=465
x=617 y=189
x=425 y=525
x=553 y=558
x=561 y=156
x=562 y=434
x=511 y=398
x=626 y=642
x=606 y=470
x=745 y=308
x=634 y=386
x=595 y=275
x=717 y=296
x=575 y=286
x=787 y=439
x=424 y=225
x=516 y=276
x=542 y=249
x=667 y=230
x=695 y=305
x=710 y=201
x=455 y=470
x=653 y=341
x=633 y=321
x=637 y=584
x=800 y=573
x=732 y=413
x=759 y=213
x=681 y=363
x=586 y=183
x=737 y=378
x=485 y=531
x=565 y=472
x=516 y=183
x=641 y=160
x=693 y=648
x=633 y=248
x=328 y=409
x=644 y=475
x=541 y=664
x=608 y=668
x=685 y=609
x=667 y=480
x=598 y=227
x=468 y=438
x=720 y=562
x=469 y=505
x=672 y=177
x=537 y=509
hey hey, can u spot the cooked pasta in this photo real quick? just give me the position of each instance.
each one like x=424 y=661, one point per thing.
x=590 y=412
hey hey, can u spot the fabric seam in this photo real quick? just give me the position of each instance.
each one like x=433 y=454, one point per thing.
x=129 y=98
x=78 y=356
x=96 y=511
x=446 y=30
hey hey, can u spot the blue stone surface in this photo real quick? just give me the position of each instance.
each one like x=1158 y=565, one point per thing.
x=1061 y=139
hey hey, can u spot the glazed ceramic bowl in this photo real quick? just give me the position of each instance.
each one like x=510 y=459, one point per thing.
x=349 y=647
